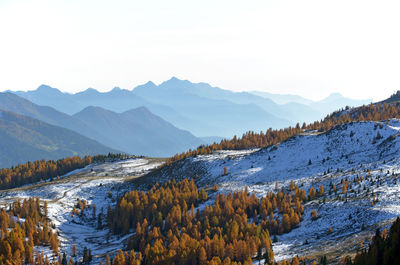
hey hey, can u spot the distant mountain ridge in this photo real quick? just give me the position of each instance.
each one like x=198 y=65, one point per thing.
x=24 y=139
x=16 y=104
x=171 y=140
x=199 y=108
x=139 y=131
x=282 y=98
x=215 y=110
x=327 y=105
x=336 y=101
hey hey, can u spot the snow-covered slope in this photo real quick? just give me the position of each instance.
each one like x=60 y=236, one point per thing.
x=344 y=146
x=345 y=152
x=92 y=184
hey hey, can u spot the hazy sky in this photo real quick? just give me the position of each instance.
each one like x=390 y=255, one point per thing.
x=311 y=48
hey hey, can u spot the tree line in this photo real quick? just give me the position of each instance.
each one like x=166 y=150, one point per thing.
x=251 y=139
x=43 y=170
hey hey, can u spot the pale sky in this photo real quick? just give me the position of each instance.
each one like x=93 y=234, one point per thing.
x=309 y=48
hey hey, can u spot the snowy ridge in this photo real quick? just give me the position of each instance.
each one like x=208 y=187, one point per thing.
x=290 y=159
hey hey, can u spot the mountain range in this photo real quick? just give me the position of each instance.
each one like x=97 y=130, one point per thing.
x=160 y=120
x=136 y=131
x=200 y=108
x=327 y=105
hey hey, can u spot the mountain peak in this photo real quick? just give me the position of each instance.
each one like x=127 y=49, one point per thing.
x=176 y=83
x=47 y=89
x=146 y=86
x=143 y=111
x=174 y=79
x=93 y=109
x=89 y=91
x=335 y=95
x=150 y=83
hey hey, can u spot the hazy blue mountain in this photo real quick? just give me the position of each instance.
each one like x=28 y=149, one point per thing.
x=336 y=101
x=139 y=131
x=202 y=109
x=135 y=134
x=292 y=112
x=212 y=112
x=48 y=96
x=16 y=104
x=117 y=100
x=283 y=98
x=25 y=139
x=120 y=100
x=179 y=102
x=325 y=106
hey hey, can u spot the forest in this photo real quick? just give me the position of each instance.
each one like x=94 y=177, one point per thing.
x=43 y=170
x=175 y=224
x=23 y=226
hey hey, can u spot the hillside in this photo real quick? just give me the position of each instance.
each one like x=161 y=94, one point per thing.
x=353 y=209
x=393 y=98
x=138 y=131
x=26 y=139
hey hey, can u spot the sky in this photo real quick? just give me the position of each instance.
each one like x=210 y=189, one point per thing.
x=309 y=48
